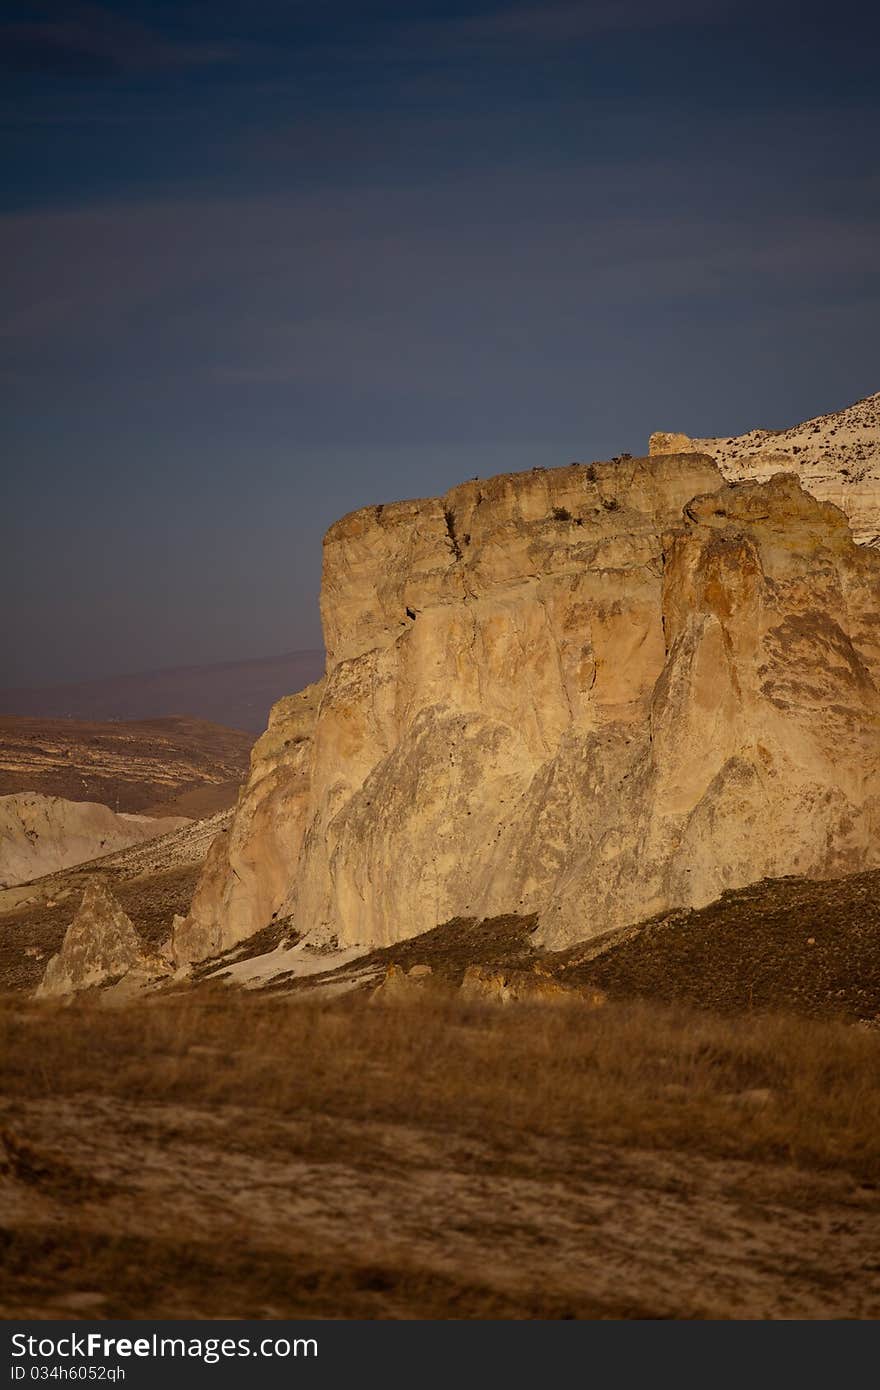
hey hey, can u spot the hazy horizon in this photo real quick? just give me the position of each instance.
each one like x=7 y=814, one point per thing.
x=237 y=694
x=265 y=659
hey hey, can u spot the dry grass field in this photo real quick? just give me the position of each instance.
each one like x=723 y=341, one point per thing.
x=212 y=1154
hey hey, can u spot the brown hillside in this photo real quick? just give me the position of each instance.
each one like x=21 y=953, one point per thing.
x=173 y=766
x=788 y=944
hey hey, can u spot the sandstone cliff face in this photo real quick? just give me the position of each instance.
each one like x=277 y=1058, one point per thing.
x=836 y=457
x=591 y=693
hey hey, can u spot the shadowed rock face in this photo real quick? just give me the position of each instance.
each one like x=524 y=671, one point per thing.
x=592 y=693
x=248 y=870
x=100 y=947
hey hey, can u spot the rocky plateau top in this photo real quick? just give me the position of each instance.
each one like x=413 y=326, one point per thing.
x=836 y=457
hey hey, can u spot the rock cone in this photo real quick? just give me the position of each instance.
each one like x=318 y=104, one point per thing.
x=100 y=947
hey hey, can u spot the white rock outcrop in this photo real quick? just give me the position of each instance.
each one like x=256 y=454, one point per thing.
x=591 y=693
x=836 y=457
x=41 y=834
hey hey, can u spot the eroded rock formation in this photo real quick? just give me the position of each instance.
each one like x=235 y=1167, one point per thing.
x=836 y=457
x=100 y=947
x=591 y=693
x=399 y=986
x=486 y=984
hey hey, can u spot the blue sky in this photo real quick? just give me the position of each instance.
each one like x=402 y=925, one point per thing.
x=268 y=263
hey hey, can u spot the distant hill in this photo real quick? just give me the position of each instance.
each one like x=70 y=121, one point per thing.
x=174 y=766
x=237 y=694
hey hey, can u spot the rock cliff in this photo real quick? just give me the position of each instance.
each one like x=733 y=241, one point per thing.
x=590 y=693
x=836 y=457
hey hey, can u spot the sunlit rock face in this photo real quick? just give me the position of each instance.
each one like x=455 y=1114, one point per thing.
x=836 y=457
x=590 y=693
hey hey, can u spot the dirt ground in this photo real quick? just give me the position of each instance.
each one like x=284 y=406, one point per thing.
x=360 y=1220
x=276 y=1158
